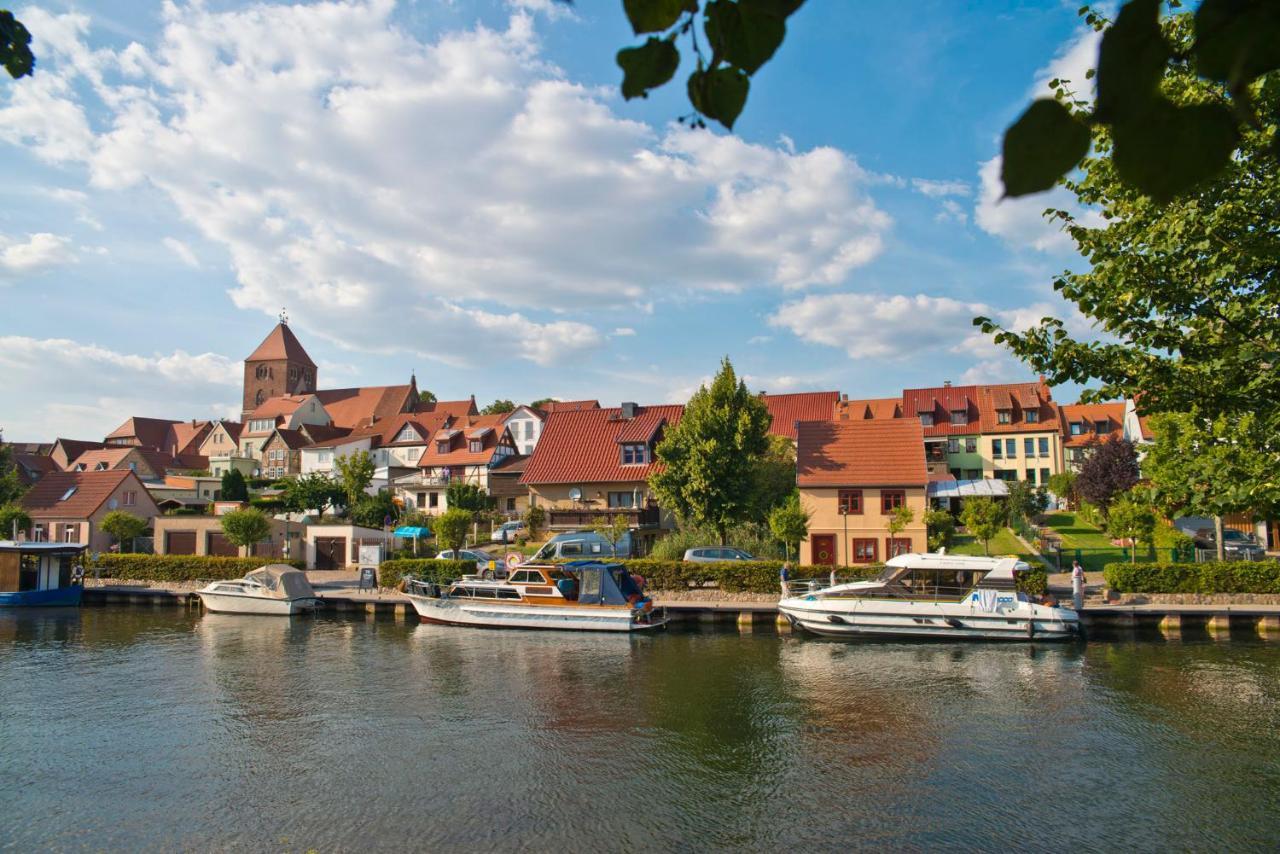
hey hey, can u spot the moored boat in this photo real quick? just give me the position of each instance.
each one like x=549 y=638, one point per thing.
x=933 y=596
x=40 y=574
x=582 y=596
x=273 y=590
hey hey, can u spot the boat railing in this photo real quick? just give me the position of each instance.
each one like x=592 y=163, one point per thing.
x=930 y=593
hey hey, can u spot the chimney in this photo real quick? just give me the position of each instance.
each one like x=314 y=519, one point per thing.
x=946 y=383
x=845 y=398
x=629 y=410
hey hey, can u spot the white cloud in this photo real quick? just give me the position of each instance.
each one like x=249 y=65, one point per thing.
x=623 y=332
x=97 y=387
x=183 y=251
x=951 y=211
x=875 y=326
x=37 y=253
x=937 y=189
x=1021 y=222
x=380 y=186
x=1072 y=63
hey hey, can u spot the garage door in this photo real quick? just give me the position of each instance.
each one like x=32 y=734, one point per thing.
x=331 y=552
x=180 y=542
x=219 y=545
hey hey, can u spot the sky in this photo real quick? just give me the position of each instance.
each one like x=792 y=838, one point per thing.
x=457 y=191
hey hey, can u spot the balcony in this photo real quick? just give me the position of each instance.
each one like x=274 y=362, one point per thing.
x=586 y=517
x=419 y=479
x=935 y=452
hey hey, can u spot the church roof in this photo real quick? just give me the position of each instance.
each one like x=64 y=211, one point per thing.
x=357 y=408
x=281 y=343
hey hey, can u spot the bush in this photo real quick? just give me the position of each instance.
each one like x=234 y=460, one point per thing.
x=1209 y=577
x=138 y=567
x=754 y=539
x=1033 y=582
x=391 y=572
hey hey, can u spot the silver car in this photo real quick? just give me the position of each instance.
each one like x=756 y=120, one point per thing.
x=715 y=554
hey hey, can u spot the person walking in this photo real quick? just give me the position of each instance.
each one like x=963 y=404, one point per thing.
x=1078 y=581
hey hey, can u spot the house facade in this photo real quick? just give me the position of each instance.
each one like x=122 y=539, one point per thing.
x=525 y=424
x=463 y=450
x=291 y=412
x=148 y=464
x=68 y=506
x=1086 y=424
x=852 y=475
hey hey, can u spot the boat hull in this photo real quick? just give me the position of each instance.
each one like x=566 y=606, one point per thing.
x=57 y=598
x=931 y=620
x=230 y=603
x=515 y=615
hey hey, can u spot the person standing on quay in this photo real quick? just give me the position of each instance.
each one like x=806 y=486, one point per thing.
x=1077 y=584
x=784 y=575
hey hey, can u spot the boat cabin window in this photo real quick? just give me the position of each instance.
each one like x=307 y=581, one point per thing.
x=527 y=576
x=29 y=573
x=930 y=583
x=507 y=593
x=589 y=590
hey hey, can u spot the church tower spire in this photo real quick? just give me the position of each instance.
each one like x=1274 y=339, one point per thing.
x=280 y=365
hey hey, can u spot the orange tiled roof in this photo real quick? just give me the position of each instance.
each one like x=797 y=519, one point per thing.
x=187 y=435
x=454 y=408
x=281 y=343
x=1090 y=415
x=568 y=405
x=488 y=429
x=981 y=405
x=860 y=453
x=280 y=406
x=362 y=407
x=113 y=457
x=787 y=409
x=581 y=446
x=92 y=488
x=869 y=408
x=151 y=432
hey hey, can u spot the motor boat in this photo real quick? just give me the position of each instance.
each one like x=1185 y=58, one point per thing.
x=582 y=595
x=932 y=596
x=276 y=589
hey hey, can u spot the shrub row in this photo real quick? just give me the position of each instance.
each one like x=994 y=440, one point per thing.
x=390 y=572
x=137 y=567
x=1209 y=577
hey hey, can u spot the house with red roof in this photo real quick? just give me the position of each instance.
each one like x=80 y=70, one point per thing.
x=463 y=450
x=1086 y=424
x=289 y=411
x=65 y=451
x=852 y=475
x=788 y=410
x=593 y=464
x=68 y=506
x=147 y=463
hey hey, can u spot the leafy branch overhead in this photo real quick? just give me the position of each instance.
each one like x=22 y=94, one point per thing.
x=738 y=37
x=1160 y=146
x=15 y=46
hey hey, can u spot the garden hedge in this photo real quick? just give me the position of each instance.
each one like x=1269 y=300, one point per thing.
x=139 y=567
x=1209 y=577
x=390 y=572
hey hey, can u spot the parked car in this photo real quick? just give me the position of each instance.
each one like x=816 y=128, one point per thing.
x=507 y=532
x=480 y=556
x=715 y=554
x=583 y=544
x=1235 y=545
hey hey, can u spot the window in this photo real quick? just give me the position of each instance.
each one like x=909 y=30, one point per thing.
x=325 y=456
x=953 y=446
x=1011 y=448
x=863 y=551
x=412 y=453
x=1031 y=475
x=1076 y=428
x=1100 y=428
x=622 y=499
x=38 y=533
x=1031 y=416
x=475 y=446
x=891 y=499
x=435 y=500
x=71 y=533
x=511 y=505
x=895 y=546
x=442 y=447
x=422 y=501
x=1044 y=477
x=633 y=455
x=293 y=372
x=959 y=416
x=996 y=452
x=971 y=444
x=1006 y=474
x=973 y=474
x=528 y=429
x=926 y=418
x=1044 y=446
x=129 y=498
x=1028 y=447
x=850 y=502
x=70 y=492
x=1004 y=416
x=261 y=373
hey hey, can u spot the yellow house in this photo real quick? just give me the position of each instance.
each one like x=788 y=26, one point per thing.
x=852 y=475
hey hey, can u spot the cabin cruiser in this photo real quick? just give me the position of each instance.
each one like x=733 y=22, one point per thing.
x=582 y=595
x=932 y=595
x=276 y=589
x=40 y=574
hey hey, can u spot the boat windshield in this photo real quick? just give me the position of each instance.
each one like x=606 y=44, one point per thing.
x=927 y=582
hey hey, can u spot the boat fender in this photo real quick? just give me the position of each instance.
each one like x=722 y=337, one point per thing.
x=954 y=623
x=835 y=618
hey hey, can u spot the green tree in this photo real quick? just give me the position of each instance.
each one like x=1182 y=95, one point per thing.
x=312 y=491
x=451 y=528
x=246 y=527
x=710 y=459
x=1063 y=485
x=233 y=487
x=899 y=519
x=613 y=530
x=941 y=529
x=1110 y=469
x=1200 y=466
x=13 y=517
x=1131 y=519
x=499 y=407
x=11 y=487
x=775 y=477
x=981 y=518
x=372 y=511
x=122 y=525
x=789 y=523
x=355 y=473
x=426 y=397
x=540 y=402
x=535 y=518
x=469 y=497
x=1024 y=501
x=15 y=46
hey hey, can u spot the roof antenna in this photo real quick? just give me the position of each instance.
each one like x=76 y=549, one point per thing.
x=284 y=316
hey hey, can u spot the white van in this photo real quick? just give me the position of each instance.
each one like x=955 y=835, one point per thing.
x=582 y=544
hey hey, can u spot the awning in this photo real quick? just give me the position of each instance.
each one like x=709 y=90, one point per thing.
x=993 y=488
x=411 y=532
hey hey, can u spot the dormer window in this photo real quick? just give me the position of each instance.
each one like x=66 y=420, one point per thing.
x=1032 y=416
x=926 y=418
x=635 y=455
x=475 y=446
x=959 y=416
x=1100 y=428
x=101 y=466
x=1076 y=428
x=1004 y=416
x=70 y=492
x=442 y=447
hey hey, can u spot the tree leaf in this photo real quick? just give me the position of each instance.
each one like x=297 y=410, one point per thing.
x=719 y=94
x=1044 y=144
x=15 y=46
x=1131 y=60
x=1168 y=149
x=647 y=67
x=1237 y=40
x=746 y=35
x=655 y=16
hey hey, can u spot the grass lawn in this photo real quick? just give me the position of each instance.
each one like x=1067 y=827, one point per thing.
x=1077 y=533
x=1003 y=543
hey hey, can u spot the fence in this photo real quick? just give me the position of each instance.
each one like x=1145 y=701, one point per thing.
x=1095 y=560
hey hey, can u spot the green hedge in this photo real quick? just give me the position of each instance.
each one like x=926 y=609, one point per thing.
x=390 y=572
x=135 y=567
x=1209 y=577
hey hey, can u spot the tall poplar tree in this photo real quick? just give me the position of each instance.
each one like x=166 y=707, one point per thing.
x=711 y=459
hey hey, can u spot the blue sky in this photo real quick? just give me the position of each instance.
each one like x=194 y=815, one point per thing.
x=457 y=189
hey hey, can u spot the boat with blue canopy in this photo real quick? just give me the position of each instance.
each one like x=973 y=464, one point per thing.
x=40 y=574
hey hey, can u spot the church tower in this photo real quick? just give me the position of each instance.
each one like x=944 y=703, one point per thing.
x=279 y=366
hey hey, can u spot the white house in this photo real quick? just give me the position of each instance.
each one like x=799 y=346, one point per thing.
x=525 y=424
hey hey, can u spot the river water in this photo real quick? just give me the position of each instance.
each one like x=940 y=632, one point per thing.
x=125 y=729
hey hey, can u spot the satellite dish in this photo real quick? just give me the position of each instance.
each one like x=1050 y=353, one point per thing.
x=575 y=494
x=112 y=504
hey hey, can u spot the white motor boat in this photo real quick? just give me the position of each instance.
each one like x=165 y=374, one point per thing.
x=276 y=589
x=932 y=596
x=583 y=595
